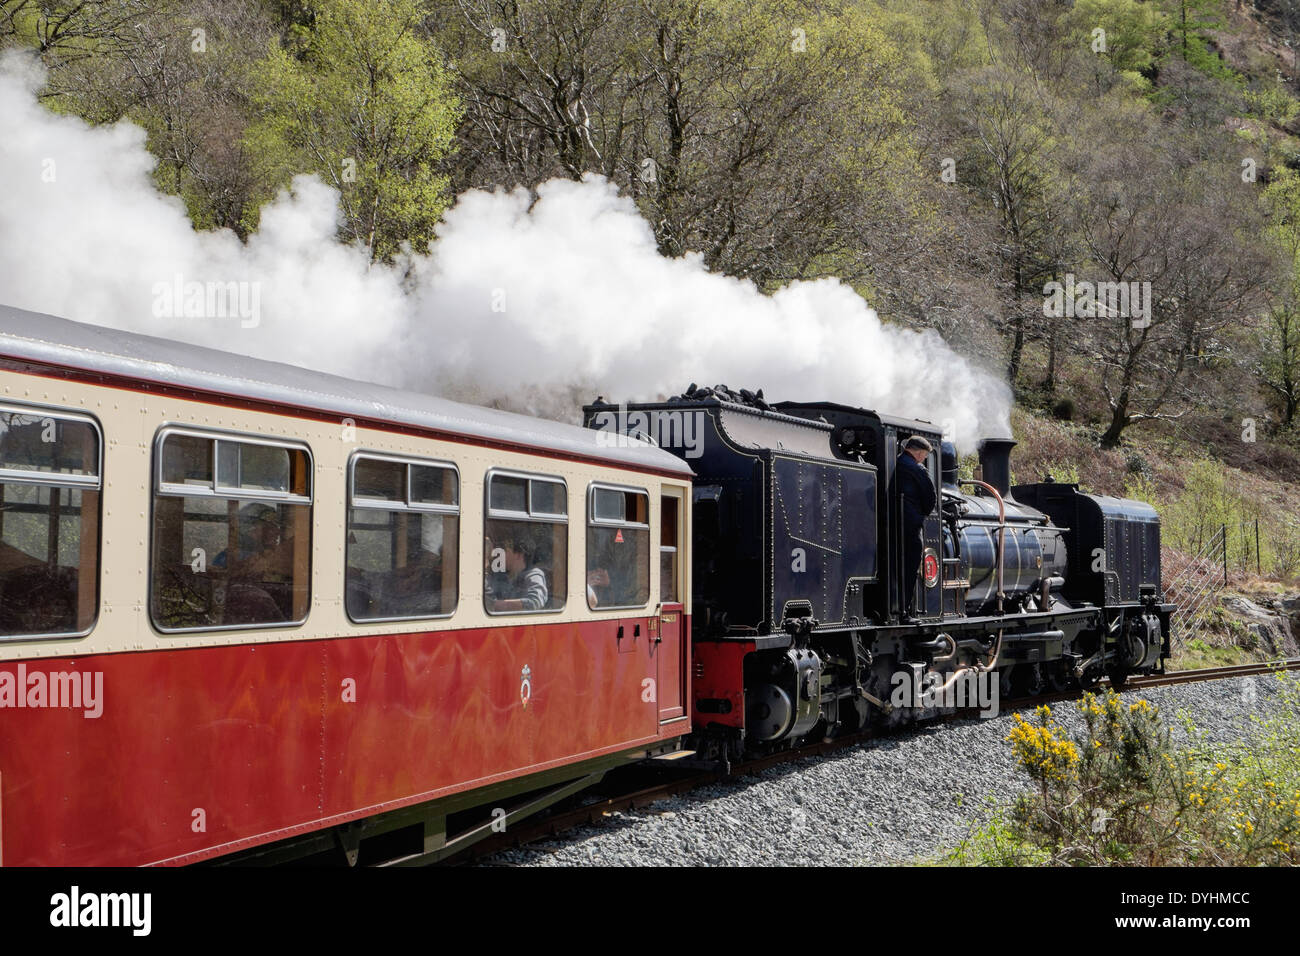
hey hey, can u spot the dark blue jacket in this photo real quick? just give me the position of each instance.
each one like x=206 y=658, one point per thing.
x=917 y=491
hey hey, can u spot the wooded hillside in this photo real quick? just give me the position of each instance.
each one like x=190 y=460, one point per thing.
x=972 y=166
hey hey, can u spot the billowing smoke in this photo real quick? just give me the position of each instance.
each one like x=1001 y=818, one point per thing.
x=527 y=304
x=84 y=234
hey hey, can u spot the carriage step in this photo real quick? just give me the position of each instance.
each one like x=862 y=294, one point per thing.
x=675 y=755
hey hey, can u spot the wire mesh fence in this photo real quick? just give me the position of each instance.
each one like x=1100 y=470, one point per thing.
x=1193 y=583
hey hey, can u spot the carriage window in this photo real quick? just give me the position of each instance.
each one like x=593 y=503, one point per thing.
x=526 y=544
x=668 y=550
x=231 y=533
x=187 y=460
x=403 y=539
x=618 y=548
x=49 y=523
x=253 y=467
x=506 y=493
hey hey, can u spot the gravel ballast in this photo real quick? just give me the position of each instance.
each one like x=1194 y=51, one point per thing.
x=897 y=799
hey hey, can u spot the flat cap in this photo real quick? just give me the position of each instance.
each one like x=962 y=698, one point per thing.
x=916 y=441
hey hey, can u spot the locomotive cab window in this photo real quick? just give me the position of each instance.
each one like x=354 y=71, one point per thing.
x=618 y=547
x=231 y=532
x=50 y=482
x=526 y=543
x=403 y=539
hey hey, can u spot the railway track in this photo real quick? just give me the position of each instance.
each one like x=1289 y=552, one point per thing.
x=1166 y=680
x=637 y=797
x=1214 y=673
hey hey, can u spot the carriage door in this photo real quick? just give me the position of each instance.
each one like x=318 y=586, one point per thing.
x=671 y=647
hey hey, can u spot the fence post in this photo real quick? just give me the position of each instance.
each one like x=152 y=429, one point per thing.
x=1259 y=566
x=1223 y=531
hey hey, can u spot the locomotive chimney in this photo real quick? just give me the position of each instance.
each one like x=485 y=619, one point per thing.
x=995 y=463
x=948 y=463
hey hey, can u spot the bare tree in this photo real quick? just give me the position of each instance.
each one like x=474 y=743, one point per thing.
x=66 y=31
x=1153 y=219
x=538 y=79
x=1006 y=120
x=1280 y=366
x=175 y=67
x=775 y=153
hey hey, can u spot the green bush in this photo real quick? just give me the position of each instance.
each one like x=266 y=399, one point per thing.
x=1063 y=410
x=1119 y=793
x=1066 y=472
x=997 y=843
x=1142 y=488
x=1211 y=498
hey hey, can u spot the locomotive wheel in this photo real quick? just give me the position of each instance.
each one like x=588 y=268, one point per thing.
x=1058 y=676
x=769 y=712
x=1118 y=678
x=1006 y=680
x=1032 y=680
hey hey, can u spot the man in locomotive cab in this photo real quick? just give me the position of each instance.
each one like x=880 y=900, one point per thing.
x=916 y=494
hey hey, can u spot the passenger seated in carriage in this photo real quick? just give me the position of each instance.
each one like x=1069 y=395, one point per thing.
x=524 y=584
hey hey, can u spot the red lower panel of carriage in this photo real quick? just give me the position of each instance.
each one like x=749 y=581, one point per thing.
x=176 y=756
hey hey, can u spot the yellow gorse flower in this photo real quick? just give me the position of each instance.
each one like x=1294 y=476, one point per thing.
x=1042 y=748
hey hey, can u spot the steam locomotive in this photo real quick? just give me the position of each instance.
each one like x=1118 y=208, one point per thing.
x=798 y=611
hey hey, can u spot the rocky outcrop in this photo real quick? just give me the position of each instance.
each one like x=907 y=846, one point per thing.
x=1275 y=622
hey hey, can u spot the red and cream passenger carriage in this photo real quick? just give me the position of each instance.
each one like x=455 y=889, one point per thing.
x=251 y=609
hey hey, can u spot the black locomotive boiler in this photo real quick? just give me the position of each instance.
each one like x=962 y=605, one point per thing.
x=797 y=598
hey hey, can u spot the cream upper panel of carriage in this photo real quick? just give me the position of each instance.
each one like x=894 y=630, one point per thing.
x=195 y=569
x=51 y=341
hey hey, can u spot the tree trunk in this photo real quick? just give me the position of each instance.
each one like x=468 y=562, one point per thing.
x=1049 y=380
x=1119 y=420
x=1017 y=350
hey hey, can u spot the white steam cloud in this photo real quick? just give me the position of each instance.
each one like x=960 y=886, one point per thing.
x=527 y=304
